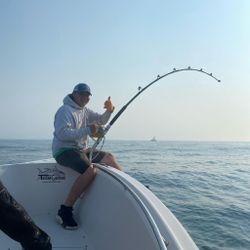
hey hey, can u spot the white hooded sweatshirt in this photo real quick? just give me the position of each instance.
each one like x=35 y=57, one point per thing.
x=71 y=125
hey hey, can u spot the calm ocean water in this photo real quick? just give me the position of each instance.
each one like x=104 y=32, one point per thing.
x=205 y=184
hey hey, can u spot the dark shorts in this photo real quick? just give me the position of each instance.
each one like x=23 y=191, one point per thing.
x=78 y=160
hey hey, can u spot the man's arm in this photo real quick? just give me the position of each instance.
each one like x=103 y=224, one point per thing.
x=65 y=127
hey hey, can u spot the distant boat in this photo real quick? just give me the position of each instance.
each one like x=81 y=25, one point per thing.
x=153 y=139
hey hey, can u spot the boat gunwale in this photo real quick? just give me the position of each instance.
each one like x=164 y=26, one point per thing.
x=161 y=241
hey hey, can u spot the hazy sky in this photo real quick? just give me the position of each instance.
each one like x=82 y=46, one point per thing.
x=48 y=46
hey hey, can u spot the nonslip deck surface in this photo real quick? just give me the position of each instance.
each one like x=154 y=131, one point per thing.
x=61 y=239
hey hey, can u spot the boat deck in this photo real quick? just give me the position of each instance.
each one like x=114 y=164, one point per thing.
x=116 y=213
x=61 y=239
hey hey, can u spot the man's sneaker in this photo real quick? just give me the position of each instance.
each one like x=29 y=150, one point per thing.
x=65 y=218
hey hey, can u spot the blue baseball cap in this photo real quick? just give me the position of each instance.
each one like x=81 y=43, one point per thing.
x=82 y=88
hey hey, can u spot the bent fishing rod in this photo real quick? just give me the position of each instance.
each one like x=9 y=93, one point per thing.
x=105 y=130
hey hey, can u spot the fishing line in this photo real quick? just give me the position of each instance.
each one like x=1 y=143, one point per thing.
x=103 y=130
x=91 y=158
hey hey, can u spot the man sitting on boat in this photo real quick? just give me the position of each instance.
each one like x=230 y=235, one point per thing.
x=73 y=123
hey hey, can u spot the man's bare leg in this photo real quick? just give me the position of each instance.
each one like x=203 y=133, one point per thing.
x=65 y=215
x=110 y=160
x=80 y=185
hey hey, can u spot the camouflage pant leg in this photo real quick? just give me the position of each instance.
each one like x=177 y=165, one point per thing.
x=17 y=224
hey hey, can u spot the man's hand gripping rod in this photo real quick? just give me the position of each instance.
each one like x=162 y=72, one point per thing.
x=106 y=129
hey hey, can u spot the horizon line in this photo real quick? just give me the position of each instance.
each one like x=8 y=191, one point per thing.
x=157 y=140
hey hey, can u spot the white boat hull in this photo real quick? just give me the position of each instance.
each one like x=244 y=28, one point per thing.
x=116 y=213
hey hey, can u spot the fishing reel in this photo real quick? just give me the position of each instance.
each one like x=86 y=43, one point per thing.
x=100 y=133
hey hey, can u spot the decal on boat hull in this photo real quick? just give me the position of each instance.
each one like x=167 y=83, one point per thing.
x=50 y=175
